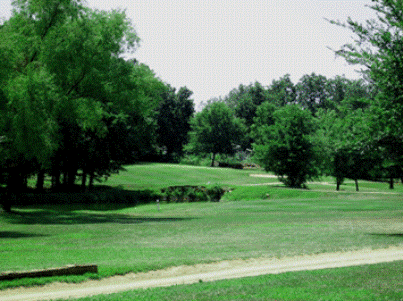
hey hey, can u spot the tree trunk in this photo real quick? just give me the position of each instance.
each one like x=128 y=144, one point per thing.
x=91 y=183
x=83 y=180
x=71 y=178
x=356 y=184
x=40 y=180
x=56 y=179
x=391 y=183
x=212 y=160
x=337 y=185
x=7 y=201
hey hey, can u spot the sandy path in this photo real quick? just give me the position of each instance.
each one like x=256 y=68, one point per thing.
x=204 y=272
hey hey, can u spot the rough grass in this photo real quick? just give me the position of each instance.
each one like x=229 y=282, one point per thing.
x=270 y=221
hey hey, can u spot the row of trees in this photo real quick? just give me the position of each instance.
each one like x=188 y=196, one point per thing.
x=71 y=105
x=338 y=127
x=317 y=126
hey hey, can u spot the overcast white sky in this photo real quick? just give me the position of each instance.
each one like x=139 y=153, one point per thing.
x=213 y=46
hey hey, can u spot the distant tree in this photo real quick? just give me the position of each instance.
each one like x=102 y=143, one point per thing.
x=215 y=130
x=244 y=101
x=262 y=122
x=286 y=148
x=173 y=120
x=313 y=92
x=282 y=92
x=347 y=149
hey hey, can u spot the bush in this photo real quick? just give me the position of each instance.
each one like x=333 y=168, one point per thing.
x=180 y=194
x=215 y=193
x=195 y=160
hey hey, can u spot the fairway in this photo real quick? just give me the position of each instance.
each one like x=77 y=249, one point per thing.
x=273 y=222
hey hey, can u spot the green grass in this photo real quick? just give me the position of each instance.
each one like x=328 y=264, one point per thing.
x=155 y=175
x=251 y=221
x=370 y=282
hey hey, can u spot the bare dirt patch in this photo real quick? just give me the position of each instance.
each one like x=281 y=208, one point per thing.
x=204 y=272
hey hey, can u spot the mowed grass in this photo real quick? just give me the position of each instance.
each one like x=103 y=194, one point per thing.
x=366 y=283
x=251 y=221
x=155 y=175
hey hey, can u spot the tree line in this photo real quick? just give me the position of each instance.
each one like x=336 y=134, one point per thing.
x=339 y=127
x=318 y=126
x=74 y=108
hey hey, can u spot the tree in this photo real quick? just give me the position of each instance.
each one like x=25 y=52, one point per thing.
x=215 y=130
x=173 y=119
x=262 y=122
x=312 y=92
x=69 y=100
x=282 y=92
x=378 y=48
x=286 y=147
x=244 y=102
x=346 y=147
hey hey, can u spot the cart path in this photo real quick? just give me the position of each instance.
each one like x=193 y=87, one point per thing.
x=205 y=272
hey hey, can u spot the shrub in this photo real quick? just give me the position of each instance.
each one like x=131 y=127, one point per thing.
x=179 y=194
x=195 y=160
x=215 y=193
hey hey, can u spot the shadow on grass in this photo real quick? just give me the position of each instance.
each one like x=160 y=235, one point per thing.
x=101 y=198
x=13 y=234
x=52 y=217
x=400 y=235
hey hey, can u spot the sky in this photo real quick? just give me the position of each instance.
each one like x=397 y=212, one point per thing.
x=212 y=47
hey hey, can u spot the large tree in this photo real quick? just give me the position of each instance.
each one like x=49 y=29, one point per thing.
x=346 y=150
x=67 y=95
x=215 y=130
x=378 y=47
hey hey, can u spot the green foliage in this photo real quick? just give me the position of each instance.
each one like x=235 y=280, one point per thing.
x=377 y=47
x=31 y=127
x=286 y=147
x=173 y=120
x=69 y=101
x=215 y=130
x=282 y=92
x=190 y=194
x=195 y=160
x=344 y=137
x=312 y=92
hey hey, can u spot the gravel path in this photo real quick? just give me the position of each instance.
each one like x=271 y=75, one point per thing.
x=204 y=272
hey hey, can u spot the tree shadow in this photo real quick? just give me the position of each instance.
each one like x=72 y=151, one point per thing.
x=52 y=217
x=100 y=198
x=13 y=234
x=400 y=235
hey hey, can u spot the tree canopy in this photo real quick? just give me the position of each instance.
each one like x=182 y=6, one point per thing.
x=215 y=130
x=71 y=105
x=285 y=147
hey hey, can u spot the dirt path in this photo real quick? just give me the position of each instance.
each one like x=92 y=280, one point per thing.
x=204 y=272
